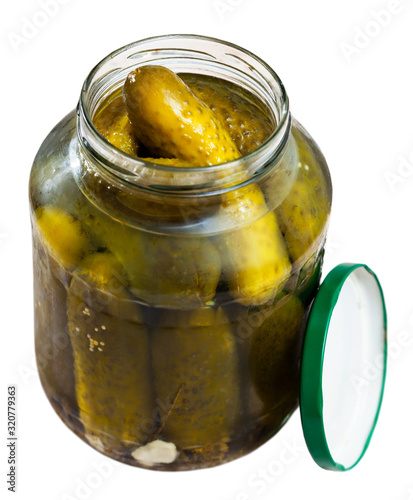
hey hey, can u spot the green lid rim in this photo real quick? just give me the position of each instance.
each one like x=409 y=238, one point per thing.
x=311 y=396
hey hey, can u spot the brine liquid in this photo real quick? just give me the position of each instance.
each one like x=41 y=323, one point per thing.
x=166 y=389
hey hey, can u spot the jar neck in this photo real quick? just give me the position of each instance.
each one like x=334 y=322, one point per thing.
x=184 y=54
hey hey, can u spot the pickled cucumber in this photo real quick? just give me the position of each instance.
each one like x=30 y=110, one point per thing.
x=171 y=121
x=255 y=262
x=269 y=339
x=180 y=272
x=196 y=369
x=113 y=123
x=111 y=355
x=63 y=235
x=304 y=212
x=246 y=122
x=275 y=353
x=164 y=270
x=53 y=350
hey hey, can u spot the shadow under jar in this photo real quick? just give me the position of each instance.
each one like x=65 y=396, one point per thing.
x=170 y=302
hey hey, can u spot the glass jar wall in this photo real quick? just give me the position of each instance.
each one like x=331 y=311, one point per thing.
x=170 y=302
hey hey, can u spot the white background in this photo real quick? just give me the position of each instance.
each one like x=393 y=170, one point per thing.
x=356 y=102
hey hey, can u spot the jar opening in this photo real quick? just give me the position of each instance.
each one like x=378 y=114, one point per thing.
x=185 y=54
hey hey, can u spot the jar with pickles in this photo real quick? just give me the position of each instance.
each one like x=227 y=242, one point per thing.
x=179 y=218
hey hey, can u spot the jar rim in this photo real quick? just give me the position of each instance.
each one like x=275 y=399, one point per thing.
x=128 y=167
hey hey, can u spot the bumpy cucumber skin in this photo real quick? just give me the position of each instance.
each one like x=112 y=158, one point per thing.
x=247 y=124
x=113 y=123
x=111 y=355
x=171 y=121
x=303 y=215
x=196 y=370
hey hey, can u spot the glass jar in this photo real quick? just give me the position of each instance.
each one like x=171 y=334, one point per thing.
x=170 y=302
